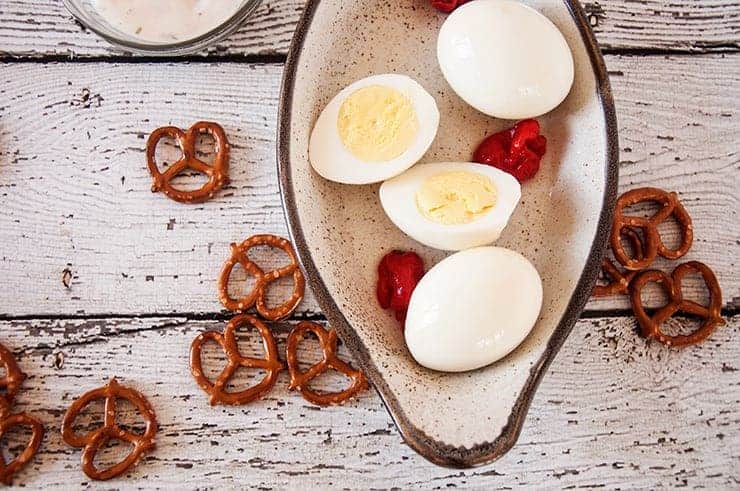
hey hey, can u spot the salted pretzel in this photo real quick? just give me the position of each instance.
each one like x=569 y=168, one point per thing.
x=300 y=380
x=257 y=297
x=218 y=173
x=651 y=325
x=620 y=281
x=217 y=390
x=11 y=381
x=653 y=244
x=95 y=440
x=7 y=423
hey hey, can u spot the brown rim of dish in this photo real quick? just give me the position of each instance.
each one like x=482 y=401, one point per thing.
x=436 y=451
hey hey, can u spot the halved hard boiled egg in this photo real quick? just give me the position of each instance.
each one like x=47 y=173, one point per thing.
x=373 y=130
x=472 y=309
x=452 y=205
x=505 y=59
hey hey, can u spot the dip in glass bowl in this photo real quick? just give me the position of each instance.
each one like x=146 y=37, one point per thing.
x=162 y=27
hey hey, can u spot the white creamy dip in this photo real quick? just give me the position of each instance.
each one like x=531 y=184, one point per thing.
x=166 y=21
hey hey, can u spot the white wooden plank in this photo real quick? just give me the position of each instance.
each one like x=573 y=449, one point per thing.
x=44 y=28
x=612 y=410
x=75 y=195
x=684 y=25
x=675 y=126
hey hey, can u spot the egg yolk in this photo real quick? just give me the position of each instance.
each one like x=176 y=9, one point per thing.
x=456 y=197
x=377 y=123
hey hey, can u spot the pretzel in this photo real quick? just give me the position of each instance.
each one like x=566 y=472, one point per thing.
x=7 y=423
x=218 y=174
x=239 y=255
x=11 y=382
x=620 y=282
x=300 y=380
x=217 y=390
x=95 y=440
x=653 y=243
x=651 y=325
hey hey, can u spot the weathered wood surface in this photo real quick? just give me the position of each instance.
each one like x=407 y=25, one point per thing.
x=613 y=411
x=82 y=239
x=43 y=27
x=75 y=195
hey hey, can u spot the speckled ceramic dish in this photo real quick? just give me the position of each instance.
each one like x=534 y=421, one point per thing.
x=341 y=232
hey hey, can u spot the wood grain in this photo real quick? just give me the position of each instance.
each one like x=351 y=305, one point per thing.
x=613 y=409
x=83 y=239
x=676 y=119
x=75 y=194
x=44 y=28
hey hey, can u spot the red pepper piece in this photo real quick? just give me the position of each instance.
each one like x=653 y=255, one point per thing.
x=384 y=284
x=447 y=6
x=524 y=132
x=516 y=150
x=398 y=274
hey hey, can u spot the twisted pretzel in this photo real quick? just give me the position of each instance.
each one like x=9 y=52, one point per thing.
x=217 y=390
x=239 y=255
x=12 y=380
x=9 y=469
x=9 y=384
x=651 y=325
x=300 y=380
x=218 y=174
x=620 y=282
x=653 y=243
x=97 y=439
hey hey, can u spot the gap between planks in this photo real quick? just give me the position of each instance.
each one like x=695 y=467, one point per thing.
x=263 y=59
x=298 y=316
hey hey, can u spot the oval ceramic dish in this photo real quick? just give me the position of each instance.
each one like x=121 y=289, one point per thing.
x=341 y=232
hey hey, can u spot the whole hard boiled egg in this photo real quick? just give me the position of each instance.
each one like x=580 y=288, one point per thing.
x=505 y=59
x=472 y=309
x=373 y=130
x=452 y=205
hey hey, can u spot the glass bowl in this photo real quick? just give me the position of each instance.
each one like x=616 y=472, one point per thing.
x=85 y=12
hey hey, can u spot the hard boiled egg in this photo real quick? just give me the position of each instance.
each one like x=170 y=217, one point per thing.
x=505 y=59
x=373 y=130
x=472 y=309
x=453 y=205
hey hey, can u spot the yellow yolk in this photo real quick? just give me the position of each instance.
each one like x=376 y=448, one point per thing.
x=456 y=197
x=377 y=123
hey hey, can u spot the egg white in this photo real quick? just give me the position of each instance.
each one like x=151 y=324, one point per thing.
x=333 y=161
x=472 y=309
x=505 y=59
x=398 y=198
